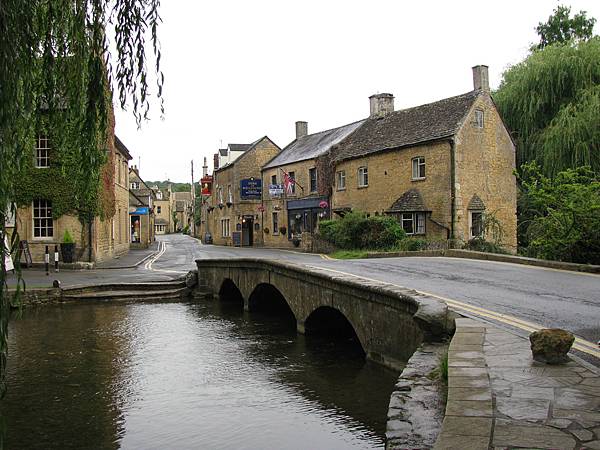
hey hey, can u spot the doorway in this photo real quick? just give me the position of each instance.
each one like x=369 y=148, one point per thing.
x=247 y=231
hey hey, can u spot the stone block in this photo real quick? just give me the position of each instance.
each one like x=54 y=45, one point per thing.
x=551 y=345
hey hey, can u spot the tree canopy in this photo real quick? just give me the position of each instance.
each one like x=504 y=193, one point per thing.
x=561 y=28
x=551 y=103
x=59 y=61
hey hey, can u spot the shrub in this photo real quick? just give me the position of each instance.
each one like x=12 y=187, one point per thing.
x=413 y=245
x=357 y=231
x=67 y=238
x=479 y=244
x=186 y=230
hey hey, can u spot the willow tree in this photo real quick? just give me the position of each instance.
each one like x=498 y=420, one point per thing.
x=59 y=62
x=551 y=103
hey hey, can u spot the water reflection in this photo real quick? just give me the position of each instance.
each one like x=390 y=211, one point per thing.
x=186 y=376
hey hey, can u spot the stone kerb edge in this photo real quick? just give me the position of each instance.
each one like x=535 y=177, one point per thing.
x=432 y=315
x=469 y=409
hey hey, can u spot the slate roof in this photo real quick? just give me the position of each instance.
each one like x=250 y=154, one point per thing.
x=122 y=148
x=476 y=203
x=223 y=151
x=186 y=195
x=239 y=147
x=312 y=145
x=409 y=201
x=250 y=147
x=407 y=127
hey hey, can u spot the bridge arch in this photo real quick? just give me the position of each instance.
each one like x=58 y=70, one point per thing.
x=267 y=299
x=230 y=293
x=331 y=322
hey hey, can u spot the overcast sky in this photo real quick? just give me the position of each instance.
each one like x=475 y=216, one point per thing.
x=238 y=70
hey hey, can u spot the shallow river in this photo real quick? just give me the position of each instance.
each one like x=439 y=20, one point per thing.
x=185 y=376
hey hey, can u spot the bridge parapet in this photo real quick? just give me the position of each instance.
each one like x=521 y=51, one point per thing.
x=390 y=322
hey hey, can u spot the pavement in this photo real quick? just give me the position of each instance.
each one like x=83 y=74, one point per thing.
x=500 y=398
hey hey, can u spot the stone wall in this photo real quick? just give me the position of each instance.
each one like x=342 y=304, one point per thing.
x=390 y=322
x=390 y=175
x=485 y=162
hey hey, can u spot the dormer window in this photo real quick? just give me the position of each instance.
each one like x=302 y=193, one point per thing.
x=42 y=151
x=479 y=118
x=135 y=185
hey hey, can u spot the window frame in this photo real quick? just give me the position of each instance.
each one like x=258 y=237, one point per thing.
x=45 y=149
x=135 y=185
x=340 y=180
x=158 y=209
x=47 y=218
x=418 y=168
x=417 y=220
x=363 y=176
x=312 y=179
x=292 y=175
x=274 y=179
x=479 y=120
x=225 y=227
x=472 y=224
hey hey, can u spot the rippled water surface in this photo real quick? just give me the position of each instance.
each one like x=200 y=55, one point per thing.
x=185 y=376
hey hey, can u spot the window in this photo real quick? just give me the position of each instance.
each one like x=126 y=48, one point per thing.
x=312 y=175
x=42 y=151
x=476 y=229
x=273 y=179
x=413 y=223
x=275 y=223
x=43 y=226
x=229 y=194
x=135 y=185
x=341 y=180
x=225 y=227
x=363 y=177
x=220 y=194
x=418 y=168
x=479 y=118
x=293 y=177
x=158 y=209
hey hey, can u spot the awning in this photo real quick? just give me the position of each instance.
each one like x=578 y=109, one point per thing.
x=140 y=211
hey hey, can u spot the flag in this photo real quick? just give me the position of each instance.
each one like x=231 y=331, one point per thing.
x=288 y=182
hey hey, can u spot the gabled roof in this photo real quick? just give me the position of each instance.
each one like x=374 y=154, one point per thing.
x=312 y=145
x=121 y=148
x=409 y=201
x=183 y=196
x=407 y=127
x=250 y=147
x=223 y=151
x=476 y=203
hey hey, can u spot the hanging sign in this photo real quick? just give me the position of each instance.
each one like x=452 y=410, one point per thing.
x=251 y=189
x=276 y=190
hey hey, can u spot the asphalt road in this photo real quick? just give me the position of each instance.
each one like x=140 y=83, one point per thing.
x=544 y=297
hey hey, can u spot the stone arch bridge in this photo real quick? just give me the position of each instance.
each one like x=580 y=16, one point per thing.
x=390 y=322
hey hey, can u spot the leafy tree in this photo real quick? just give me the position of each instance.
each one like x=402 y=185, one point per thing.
x=550 y=103
x=563 y=214
x=58 y=65
x=561 y=28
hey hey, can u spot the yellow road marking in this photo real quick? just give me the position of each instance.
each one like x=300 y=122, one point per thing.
x=580 y=344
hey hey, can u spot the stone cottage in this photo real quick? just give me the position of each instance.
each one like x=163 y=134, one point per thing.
x=141 y=210
x=439 y=168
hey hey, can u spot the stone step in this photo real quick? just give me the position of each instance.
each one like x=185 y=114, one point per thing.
x=154 y=295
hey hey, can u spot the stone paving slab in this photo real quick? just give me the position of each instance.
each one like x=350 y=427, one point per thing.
x=500 y=398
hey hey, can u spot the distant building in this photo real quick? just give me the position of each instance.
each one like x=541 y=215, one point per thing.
x=163 y=217
x=183 y=209
x=141 y=210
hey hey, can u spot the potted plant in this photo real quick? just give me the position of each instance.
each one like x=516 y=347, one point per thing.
x=67 y=248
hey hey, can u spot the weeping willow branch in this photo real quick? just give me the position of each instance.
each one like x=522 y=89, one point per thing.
x=59 y=68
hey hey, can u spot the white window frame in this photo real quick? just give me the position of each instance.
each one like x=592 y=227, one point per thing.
x=341 y=180
x=363 y=176
x=479 y=118
x=482 y=233
x=135 y=185
x=225 y=227
x=275 y=222
x=229 y=194
x=418 y=168
x=42 y=212
x=42 y=152
x=417 y=222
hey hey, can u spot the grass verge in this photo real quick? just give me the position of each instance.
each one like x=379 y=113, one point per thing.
x=349 y=254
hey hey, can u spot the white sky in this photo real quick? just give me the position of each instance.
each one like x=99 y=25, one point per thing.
x=238 y=70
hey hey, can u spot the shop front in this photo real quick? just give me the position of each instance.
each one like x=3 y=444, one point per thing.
x=305 y=214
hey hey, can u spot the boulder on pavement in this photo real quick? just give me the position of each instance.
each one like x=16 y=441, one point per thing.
x=551 y=345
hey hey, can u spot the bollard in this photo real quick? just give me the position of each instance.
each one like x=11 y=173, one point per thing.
x=47 y=261
x=56 y=258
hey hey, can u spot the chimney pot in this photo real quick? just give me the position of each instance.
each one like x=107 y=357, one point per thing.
x=481 y=79
x=381 y=105
x=301 y=129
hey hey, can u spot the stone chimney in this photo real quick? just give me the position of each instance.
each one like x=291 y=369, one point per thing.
x=216 y=161
x=481 y=79
x=205 y=168
x=301 y=129
x=381 y=105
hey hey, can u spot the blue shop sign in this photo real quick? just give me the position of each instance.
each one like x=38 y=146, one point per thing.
x=140 y=211
x=251 y=189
